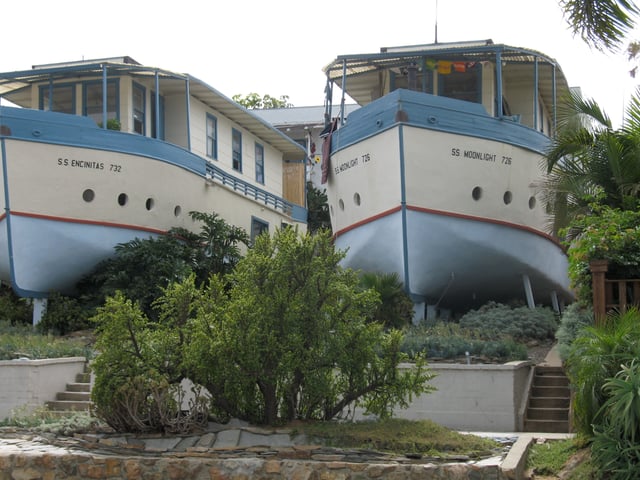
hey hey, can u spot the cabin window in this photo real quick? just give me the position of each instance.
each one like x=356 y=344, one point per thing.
x=257 y=227
x=58 y=98
x=259 y=163
x=138 y=101
x=416 y=77
x=212 y=137
x=236 y=146
x=92 y=100
x=462 y=82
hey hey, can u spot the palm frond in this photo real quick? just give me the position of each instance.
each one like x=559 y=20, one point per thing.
x=602 y=24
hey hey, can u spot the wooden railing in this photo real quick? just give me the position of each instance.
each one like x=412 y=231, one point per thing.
x=611 y=294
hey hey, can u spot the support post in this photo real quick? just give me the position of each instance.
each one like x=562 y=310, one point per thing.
x=39 y=308
x=528 y=291
x=598 y=271
x=554 y=302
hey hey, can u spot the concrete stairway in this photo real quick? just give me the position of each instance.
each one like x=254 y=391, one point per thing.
x=549 y=399
x=76 y=397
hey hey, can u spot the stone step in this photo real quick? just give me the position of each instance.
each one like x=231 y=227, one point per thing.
x=83 y=377
x=67 y=405
x=550 y=381
x=74 y=396
x=548 y=426
x=549 y=402
x=78 y=387
x=546 y=392
x=546 y=370
x=548 y=414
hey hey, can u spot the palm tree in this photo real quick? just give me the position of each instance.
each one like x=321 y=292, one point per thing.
x=591 y=162
x=602 y=24
x=396 y=307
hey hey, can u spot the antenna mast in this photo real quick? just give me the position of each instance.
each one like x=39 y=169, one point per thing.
x=436 y=26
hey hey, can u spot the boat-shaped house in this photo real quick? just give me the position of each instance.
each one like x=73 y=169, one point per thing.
x=99 y=152
x=438 y=175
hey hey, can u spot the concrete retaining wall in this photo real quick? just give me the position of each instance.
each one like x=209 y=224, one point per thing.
x=474 y=397
x=27 y=384
x=468 y=397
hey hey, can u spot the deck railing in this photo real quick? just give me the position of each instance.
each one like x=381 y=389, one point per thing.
x=215 y=174
x=611 y=294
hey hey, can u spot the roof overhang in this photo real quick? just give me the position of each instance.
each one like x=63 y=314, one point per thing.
x=16 y=87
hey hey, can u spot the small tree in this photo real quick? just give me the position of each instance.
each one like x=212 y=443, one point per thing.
x=254 y=100
x=142 y=268
x=318 y=208
x=293 y=340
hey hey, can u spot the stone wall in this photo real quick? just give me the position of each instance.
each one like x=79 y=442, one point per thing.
x=49 y=462
x=27 y=384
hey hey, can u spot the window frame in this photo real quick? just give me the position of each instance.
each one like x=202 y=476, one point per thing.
x=259 y=154
x=258 y=226
x=143 y=113
x=236 y=154
x=211 y=140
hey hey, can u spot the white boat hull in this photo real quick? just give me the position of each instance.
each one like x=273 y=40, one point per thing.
x=66 y=206
x=456 y=215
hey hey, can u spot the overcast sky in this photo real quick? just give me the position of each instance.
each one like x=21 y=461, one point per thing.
x=279 y=47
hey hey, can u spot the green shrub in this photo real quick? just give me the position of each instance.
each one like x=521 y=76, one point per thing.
x=63 y=315
x=450 y=341
x=21 y=341
x=574 y=319
x=495 y=320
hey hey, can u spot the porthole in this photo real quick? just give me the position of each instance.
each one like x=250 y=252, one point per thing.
x=149 y=204
x=532 y=203
x=356 y=198
x=123 y=198
x=507 y=197
x=341 y=204
x=88 y=195
x=476 y=193
x=177 y=211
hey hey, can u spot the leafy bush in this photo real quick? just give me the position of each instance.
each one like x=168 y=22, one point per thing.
x=606 y=234
x=495 y=320
x=574 y=319
x=292 y=338
x=138 y=370
x=286 y=335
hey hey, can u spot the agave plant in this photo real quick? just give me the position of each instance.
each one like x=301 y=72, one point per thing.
x=615 y=448
x=596 y=357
